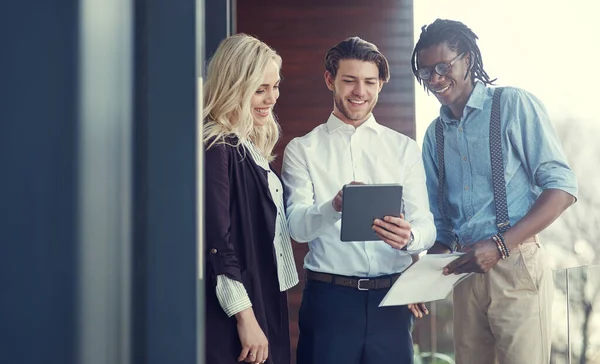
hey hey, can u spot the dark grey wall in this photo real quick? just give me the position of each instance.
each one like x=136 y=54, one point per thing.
x=38 y=181
x=63 y=154
x=165 y=279
x=219 y=22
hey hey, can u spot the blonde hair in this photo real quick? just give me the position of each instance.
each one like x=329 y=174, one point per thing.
x=234 y=74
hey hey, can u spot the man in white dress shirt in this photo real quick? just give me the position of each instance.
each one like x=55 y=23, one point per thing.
x=340 y=321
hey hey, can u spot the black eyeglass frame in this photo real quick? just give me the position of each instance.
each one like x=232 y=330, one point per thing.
x=430 y=70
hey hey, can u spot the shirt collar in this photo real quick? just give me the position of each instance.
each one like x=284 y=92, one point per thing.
x=334 y=124
x=475 y=101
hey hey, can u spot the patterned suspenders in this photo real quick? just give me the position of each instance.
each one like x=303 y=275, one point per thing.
x=500 y=202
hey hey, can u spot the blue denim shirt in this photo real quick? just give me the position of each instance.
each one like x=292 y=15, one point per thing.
x=533 y=159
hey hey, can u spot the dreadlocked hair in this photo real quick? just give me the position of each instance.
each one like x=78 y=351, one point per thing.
x=459 y=38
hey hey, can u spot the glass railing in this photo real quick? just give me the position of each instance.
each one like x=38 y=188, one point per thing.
x=576 y=322
x=433 y=334
x=576 y=331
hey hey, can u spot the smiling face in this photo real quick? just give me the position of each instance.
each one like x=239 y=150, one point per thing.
x=266 y=96
x=355 y=90
x=451 y=90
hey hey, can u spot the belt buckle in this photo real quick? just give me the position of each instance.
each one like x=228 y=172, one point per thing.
x=358 y=284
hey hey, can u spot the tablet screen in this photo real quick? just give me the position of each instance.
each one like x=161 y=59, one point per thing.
x=364 y=203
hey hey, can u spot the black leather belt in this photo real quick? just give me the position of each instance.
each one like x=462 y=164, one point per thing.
x=362 y=284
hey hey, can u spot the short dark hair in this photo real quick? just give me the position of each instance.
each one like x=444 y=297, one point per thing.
x=459 y=38
x=360 y=49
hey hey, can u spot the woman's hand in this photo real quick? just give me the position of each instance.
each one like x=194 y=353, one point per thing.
x=255 y=346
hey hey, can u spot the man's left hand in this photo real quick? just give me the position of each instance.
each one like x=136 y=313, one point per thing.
x=479 y=258
x=419 y=310
x=394 y=231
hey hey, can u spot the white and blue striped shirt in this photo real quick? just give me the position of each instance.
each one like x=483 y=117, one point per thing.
x=231 y=294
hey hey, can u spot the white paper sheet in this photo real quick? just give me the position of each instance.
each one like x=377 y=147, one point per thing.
x=424 y=281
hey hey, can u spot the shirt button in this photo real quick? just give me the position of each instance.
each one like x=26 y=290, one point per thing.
x=469 y=217
x=460 y=130
x=213 y=251
x=464 y=157
x=277 y=190
x=466 y=187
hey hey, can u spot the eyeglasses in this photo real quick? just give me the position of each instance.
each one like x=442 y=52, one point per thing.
x=442 y=69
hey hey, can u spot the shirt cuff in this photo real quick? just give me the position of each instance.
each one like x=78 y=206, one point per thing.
x=415 y=245
x=232 y=295
x=328 y=212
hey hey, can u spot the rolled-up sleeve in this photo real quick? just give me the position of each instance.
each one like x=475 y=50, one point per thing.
x=444 y=233
x=232 y=295
x=536 y=140
x=220 y=255
x=306 y=219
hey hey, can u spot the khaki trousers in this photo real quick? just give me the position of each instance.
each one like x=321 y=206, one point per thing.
x=504 y=316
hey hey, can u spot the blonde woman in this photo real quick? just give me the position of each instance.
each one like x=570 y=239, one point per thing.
x=249 y=260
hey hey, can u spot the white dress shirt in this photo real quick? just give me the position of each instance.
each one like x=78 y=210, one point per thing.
x=231 y=294
x=317 y=165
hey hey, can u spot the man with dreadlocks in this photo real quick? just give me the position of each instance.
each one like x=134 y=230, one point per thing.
x=496 y=177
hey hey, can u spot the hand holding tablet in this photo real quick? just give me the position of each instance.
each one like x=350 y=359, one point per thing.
x=364 y=204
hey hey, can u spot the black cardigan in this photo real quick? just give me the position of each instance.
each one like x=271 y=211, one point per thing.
x=240 y=218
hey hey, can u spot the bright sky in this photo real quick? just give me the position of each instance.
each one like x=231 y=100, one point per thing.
x=546 y=47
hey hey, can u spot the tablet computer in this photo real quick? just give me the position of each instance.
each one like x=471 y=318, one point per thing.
x=362 y=204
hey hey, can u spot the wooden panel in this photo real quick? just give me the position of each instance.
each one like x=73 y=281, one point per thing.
x=302 y=32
